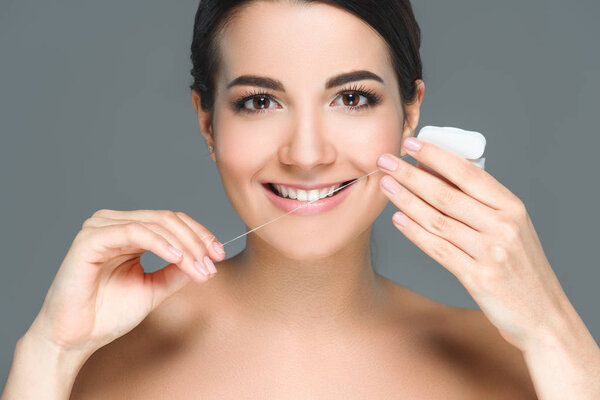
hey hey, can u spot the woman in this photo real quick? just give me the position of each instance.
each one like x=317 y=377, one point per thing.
x=310 y=94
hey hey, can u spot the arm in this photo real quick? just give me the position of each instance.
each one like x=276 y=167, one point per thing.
x=566 y=364
x=42 y=370
x=482 y=233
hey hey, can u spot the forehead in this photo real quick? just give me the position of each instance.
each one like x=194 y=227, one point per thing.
x=300 y=44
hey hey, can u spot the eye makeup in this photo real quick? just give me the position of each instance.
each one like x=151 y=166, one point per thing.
x=372 y=99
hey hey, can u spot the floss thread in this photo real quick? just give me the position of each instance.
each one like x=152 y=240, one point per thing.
x=297 y=208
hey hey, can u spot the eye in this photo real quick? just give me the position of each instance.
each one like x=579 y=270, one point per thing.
x=259 y=102
x=353 y=100
x=358 y=98
x=254 y=103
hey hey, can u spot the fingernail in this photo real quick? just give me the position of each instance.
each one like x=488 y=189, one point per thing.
x=386 y=162
x=218 y=247
x=210 y=265
x=201 y=268
x=400 y=219
x=413 y=144
x=175 y=251
x=390 y=184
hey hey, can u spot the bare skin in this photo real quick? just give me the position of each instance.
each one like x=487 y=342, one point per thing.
x=207 y=344
x=296 y=314
x=283 y=320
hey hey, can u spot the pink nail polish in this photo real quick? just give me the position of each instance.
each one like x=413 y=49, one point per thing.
x=400 y=219
x=175 y=251
x=412 y=144
x=386 y=162
x=201 y=268
x=218 y=247
x=211 y=267
x=390 y=184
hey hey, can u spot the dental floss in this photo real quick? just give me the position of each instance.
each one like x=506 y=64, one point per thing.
x=467 y=144
x=303 y=205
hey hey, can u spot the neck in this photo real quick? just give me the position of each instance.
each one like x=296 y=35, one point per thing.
x=341 y=286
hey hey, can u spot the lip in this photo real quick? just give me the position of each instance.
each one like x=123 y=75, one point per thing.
x=307 y=187
x=316 y=207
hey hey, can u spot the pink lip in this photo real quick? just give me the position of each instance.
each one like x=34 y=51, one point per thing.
x=307 y=187
x=316 y=207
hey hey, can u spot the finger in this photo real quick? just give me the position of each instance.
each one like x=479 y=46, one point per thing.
x=165 y=282
x=471 y=179
x=462 y=236
x=191 y=241
x=108 y=241
x=194 y=259
x=441 y=195
x=215 y=247
x=186 y=262
x=445 y=253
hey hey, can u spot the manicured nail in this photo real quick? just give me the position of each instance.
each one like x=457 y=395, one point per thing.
x=413 y=144
x=387 y=162
x=175 y=251
x=201 y=268
x=400 y=219
x=210 y=265
x=218 y=247
x=390 y=184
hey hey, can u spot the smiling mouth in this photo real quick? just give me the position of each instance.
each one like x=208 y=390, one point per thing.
x=304 y=195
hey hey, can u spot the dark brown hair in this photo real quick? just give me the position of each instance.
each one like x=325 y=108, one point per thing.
x=392 y=19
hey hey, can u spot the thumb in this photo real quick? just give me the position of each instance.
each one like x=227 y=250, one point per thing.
x=165 y=282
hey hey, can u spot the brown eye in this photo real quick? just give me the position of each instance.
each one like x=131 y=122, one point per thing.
x=261 y=102
x=353 y=99
x=254 y=103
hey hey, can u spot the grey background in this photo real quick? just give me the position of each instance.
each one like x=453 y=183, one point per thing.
x=95 y=113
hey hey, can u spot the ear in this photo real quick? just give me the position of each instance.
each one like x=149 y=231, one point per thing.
x=205 y=122
x=412 y=113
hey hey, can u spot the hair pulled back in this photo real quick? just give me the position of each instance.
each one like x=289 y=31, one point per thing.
x=394 y=20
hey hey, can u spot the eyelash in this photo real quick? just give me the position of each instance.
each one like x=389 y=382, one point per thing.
x=372 y=99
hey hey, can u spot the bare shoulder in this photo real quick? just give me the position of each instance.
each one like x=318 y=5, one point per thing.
x=124 y=366
x=477 y=347
x=467 y=343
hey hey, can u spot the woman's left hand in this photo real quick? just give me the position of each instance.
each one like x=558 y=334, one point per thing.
x=481 y=232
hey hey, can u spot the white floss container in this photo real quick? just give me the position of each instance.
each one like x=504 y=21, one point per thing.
x=467 y=144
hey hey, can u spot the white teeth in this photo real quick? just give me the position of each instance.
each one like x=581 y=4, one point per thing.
x=313 y=195
x=291 y=193
x=306 y=195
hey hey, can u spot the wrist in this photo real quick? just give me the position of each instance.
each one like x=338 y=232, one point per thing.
x=566 y=345
x=63 y=361
x=569 y=333
x=564 y=360
x=42 y=369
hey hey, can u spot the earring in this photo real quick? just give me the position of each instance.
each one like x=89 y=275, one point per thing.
x=210 y=149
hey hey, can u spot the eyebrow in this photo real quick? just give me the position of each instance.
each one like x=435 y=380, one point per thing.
x=274 y=84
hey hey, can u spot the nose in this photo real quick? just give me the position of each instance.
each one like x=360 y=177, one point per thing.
x=308 y=144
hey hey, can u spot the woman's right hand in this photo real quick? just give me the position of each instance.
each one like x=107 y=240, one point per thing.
x=101 y=291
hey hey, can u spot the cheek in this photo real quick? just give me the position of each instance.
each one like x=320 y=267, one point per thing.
x=387 y=136
x=366 y=138
x=238 y=150
x=240 y=155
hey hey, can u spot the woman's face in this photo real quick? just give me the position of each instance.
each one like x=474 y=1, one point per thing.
x=304 y=132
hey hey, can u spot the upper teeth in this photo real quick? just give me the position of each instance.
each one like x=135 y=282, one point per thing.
x=305 y=195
